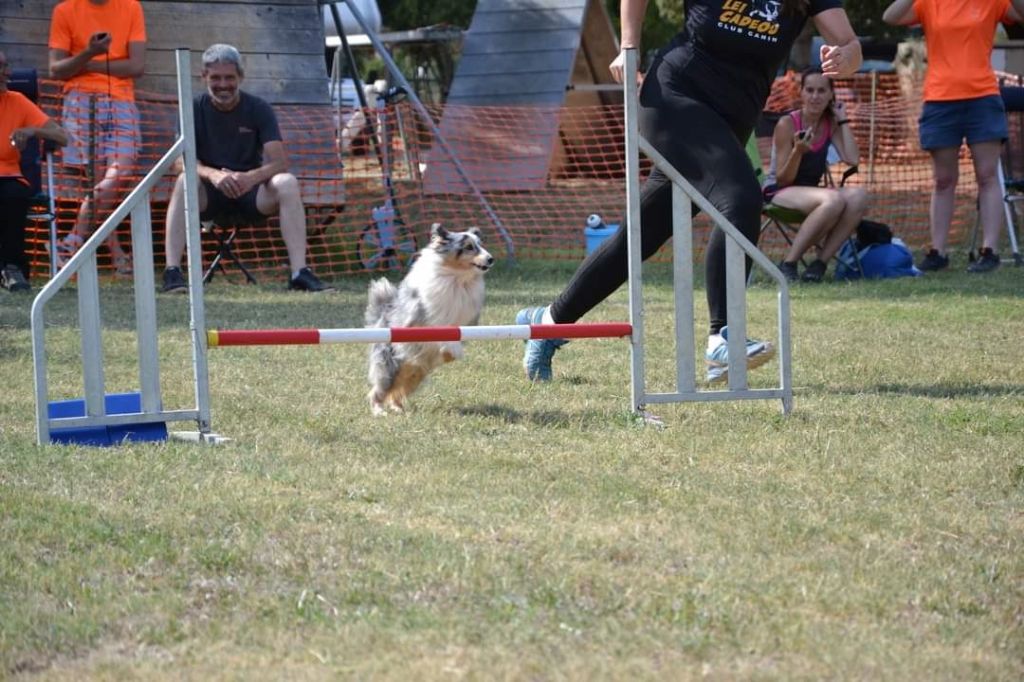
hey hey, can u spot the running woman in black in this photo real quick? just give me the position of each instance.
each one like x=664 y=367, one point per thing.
x=699 y=102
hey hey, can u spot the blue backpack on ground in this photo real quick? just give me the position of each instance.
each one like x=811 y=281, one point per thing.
x=877 y=261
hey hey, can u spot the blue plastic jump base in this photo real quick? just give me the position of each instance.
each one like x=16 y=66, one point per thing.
x=103 y=436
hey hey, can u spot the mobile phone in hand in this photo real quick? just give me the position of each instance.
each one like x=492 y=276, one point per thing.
x=102 y=36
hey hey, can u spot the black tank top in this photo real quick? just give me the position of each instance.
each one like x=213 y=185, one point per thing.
x=814 y=162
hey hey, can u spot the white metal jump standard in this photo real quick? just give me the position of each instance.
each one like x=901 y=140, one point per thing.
x=83 y=264
x=683 y=196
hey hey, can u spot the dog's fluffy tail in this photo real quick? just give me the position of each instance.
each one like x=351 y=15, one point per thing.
x=381 y=297
x=384 y=364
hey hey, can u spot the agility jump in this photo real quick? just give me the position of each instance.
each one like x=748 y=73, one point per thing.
x=95 y=413
x=684 y=196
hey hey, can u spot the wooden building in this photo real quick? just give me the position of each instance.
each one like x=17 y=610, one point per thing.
x=529 y=58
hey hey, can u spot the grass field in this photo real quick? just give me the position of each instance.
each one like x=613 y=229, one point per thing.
x=503 y=530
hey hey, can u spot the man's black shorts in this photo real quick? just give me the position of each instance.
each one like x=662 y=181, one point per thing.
x=221 y=208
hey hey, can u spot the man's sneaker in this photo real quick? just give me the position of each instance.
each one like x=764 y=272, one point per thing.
x=123 y=265
x=789 y=271
x=815 y=272
x=13 y=279
x=717 y=357
x=537 y=358
x=307 y=281
x=66 y=248
x=988 y=260
x=174 y=281
x=932 y=261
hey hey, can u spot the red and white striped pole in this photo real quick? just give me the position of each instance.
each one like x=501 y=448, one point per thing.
x=285 y=337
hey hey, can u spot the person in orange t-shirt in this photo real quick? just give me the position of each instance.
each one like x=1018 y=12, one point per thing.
x=20 y=120
x=961 y=101
x=98 y=48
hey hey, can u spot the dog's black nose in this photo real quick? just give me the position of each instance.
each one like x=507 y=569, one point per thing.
x=490 y=261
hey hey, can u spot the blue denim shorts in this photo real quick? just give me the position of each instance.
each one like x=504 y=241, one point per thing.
x=948 y=123
x=96 y=122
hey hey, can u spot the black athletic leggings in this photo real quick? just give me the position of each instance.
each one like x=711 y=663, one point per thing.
x=712 y=156
x=14 y=203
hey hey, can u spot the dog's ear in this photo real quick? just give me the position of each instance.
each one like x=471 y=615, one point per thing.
x=437 y=231
x=475 y=231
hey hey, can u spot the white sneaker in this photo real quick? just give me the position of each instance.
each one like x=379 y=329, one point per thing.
x=123 y=265
x=66 y=248
x=717 y=356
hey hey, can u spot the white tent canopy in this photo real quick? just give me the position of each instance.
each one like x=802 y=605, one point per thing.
x=367 y=8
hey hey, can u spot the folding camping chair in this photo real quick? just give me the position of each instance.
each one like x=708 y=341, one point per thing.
x=1010 y=173
x=42 y=206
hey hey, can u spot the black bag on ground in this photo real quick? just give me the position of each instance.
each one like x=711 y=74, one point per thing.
x=871 y=232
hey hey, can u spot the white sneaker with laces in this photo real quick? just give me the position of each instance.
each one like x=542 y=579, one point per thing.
x=717 y=356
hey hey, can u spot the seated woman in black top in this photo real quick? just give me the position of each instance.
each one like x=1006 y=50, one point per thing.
x=800 y=148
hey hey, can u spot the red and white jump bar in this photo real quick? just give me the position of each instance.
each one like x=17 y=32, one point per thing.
x=295 y=337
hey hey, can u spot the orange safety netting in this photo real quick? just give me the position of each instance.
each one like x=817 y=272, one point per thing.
x=529 y=177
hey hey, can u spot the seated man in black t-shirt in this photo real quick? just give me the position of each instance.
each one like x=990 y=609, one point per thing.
x=242 y=167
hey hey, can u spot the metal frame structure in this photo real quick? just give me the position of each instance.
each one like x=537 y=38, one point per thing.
x=47 y=211
x=684 y=195
x=396 y=73
x=83 y=265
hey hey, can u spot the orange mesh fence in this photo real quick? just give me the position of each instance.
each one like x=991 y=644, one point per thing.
x=529 y=177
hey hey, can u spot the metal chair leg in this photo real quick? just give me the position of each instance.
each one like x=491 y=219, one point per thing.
x=225 y=249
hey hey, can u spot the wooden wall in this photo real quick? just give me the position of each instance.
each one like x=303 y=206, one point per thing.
x=282 y=42
x=518 y=52
x=523 y=52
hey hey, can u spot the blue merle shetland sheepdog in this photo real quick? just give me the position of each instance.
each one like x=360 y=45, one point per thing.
x=444 y=287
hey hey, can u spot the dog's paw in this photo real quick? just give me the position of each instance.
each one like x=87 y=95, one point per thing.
x=452 y=352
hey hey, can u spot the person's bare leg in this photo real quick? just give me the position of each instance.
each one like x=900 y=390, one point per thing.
x=823 y=208
x=97 y=205
x=174 y=232
x=946 y=170
x=856 y=202
x=990 y=193
x=281 y=195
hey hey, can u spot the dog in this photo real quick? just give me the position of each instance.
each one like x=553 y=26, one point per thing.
x=444 y=287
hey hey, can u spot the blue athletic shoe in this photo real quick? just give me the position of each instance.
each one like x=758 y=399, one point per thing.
x=717 y=357
x=537 y=358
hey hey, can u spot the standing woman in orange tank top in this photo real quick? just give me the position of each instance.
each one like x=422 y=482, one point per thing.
x=961 y=102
